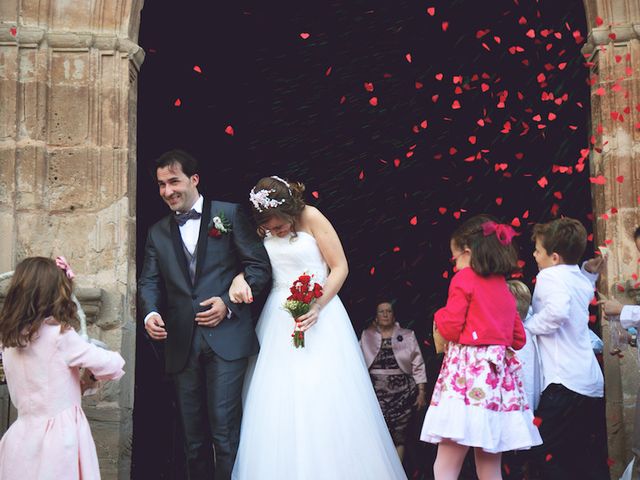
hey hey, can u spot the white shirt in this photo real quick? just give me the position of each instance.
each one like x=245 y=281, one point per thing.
x=191 y=228
x=630 y=316
x=560 y=320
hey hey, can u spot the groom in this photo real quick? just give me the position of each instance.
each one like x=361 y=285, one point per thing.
x=191 y=257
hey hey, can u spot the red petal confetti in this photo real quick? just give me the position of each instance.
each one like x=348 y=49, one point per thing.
x=515 y=222
x=442 y=210
x=408 y=57
x=548 y=457
x=599 y=180
x=177 y=103
x=196 y=68
x=431 y=11
x=396 y=162
x=537 y=421
x=472 y=139
x=445 y=26
x=229 y=130
x=531 y=33
x=372 y=271
x=455 y=105
x=361 y=175
x=328 y=72
x=368 y=86
x=13 y=31
x=620 y=178
x=498 y=201
x=373 y=101
x=315 y=194
x=543 y=182
x=414 y=220
x=610 y=462
x=304 y=35
x=599 y=21
x=419 y=85
x=396 y=249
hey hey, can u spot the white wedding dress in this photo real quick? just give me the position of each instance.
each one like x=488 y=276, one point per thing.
x=310 y=413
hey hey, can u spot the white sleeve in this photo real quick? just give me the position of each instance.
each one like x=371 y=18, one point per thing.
x=630 y=316
x=555 y=306
x=592 y=277
x=148 y=315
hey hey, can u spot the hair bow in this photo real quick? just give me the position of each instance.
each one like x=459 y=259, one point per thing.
x=63 y=265
x=504 y=232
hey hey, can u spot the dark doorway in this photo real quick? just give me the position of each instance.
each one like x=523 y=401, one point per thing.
x=296 y=82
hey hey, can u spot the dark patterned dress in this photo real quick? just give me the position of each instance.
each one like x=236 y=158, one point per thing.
x=396 y=391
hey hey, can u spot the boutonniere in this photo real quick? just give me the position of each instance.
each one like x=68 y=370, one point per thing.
x=219 y=225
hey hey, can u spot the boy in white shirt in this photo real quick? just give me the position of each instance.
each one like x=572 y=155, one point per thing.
x=572 y=379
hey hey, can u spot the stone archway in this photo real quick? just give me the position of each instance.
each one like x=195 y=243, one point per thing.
x=68 y=93
x=613 y=48
x=68 y=90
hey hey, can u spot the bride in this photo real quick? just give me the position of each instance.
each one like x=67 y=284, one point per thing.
x=309 y=413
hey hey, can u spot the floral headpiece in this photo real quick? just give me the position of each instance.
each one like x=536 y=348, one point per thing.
x=261 y=199
x=504 y=232
x=63 y=265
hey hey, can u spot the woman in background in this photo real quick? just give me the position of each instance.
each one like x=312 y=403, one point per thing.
x=397 y=371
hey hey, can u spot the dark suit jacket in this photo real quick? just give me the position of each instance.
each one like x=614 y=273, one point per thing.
x=165 y=271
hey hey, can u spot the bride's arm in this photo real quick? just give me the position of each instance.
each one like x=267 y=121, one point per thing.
x=333 y=253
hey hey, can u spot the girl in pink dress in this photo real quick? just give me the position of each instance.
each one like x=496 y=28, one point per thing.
x=479 y=400
x=42 y=356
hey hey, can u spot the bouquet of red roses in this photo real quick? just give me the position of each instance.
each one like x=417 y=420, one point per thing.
x=303 y=294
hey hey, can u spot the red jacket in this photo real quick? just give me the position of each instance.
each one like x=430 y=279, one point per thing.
x=480 y=311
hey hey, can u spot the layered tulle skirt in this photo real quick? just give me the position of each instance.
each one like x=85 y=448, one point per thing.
x=311 y=413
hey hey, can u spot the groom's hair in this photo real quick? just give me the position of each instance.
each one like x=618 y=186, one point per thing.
x=178 y=157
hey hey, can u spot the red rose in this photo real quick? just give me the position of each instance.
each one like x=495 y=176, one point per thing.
x=317 y=290
x=305 y=279
x=215 y=233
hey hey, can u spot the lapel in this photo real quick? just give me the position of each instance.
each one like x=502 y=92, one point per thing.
x=202 y=237
x=179 y=250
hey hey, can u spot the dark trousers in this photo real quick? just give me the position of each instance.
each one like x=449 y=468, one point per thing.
x=574 y=436
x=209 y=393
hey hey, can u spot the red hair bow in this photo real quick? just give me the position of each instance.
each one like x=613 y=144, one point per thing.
x=504 y=232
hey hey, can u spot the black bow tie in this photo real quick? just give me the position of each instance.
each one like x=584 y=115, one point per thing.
x=181 y=218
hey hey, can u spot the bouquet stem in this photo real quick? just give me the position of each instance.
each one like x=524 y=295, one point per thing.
x=298 y=338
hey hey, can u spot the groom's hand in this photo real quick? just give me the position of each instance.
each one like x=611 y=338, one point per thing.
x=155 y=327
x=216 y=312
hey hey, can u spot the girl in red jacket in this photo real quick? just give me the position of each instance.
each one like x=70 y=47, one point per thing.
x=479 y=400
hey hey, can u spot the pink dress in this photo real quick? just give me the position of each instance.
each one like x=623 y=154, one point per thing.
x=51 y=438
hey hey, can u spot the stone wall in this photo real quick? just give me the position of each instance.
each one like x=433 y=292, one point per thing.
x=614 y=50
x=68 y=71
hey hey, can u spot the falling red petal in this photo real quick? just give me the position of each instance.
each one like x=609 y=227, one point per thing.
x=414 y=220
x=304 y=35
x=196 y=68
x=373 y=101
x=177 y=103
x=229 y=130
x=431 y=11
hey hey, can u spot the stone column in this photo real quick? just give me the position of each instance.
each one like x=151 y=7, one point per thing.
x=613 y=49
x=68 y=81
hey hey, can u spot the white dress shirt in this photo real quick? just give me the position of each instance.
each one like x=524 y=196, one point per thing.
x=630 y=316
x=560 y=320
x=191 y=229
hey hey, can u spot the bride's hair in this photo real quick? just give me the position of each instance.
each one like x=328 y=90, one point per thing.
x=274 y=196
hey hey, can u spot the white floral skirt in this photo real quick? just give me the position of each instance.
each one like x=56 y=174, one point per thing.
x=479 y=401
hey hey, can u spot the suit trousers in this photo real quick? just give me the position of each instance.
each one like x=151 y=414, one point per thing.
x=574 y=436
x=209 y=395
